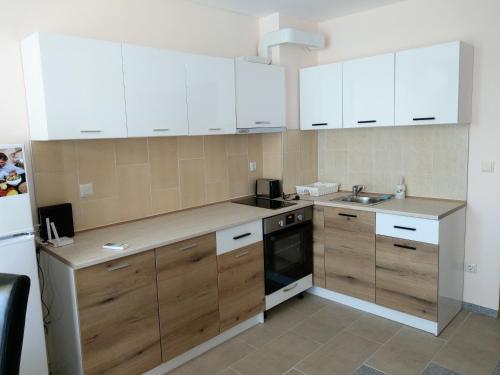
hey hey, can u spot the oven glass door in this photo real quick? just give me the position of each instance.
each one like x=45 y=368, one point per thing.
x=288 y=256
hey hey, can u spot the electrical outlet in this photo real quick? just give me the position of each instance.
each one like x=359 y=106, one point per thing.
x=470 y=267
x=86 y=190
x=253 y=166
x=488 y=166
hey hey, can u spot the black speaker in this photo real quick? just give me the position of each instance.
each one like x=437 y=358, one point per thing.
x=62 y=217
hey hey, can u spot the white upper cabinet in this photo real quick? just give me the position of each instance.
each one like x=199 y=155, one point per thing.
x=321 y=97
x=260 y=95
x=368 y=94
x=74 y=87
x=434 y=85
x=211 y=95
x=155 y=91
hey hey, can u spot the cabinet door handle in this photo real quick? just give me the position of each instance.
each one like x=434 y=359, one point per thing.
x=161 y=130
x=423 y=118
x=320 y=124
x=404 y=228
x=262 y=122
x=290 y=287
x=405 y=246
x=241 y=236
x=347 y=215
x=118 y=267
x=367 y=121
x=241 y=254
x=90 y=131
x=188 y=247
x=214 y=129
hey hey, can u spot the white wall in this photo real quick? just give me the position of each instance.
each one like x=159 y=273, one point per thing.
x=174 y=24
x=416 y=23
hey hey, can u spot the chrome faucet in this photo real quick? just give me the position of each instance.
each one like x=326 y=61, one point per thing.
x=356 y=189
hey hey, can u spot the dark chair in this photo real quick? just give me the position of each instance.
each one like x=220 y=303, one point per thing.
x=14 y=291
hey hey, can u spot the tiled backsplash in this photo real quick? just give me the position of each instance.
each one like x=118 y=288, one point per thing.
x=433 y=159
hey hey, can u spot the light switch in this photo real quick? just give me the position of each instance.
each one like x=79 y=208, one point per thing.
x=86 y=190
x=487 y=166
x=253 y=166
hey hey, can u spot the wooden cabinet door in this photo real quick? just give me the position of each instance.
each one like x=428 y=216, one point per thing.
x=211 y=95
x=349 y=239
x=368 y=91
x=241 y=284
x=318 y=247
x=187 y=294
x=407 y=276
x=155 y=91
x=321 y=97
x=118 y=313
x=260 y=95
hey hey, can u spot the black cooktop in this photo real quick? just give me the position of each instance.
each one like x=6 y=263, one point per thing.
x=272 y=204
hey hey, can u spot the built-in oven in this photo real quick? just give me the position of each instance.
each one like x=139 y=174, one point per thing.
x=288 y=251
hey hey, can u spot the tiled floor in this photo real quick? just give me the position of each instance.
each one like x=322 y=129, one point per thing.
x=314 y=336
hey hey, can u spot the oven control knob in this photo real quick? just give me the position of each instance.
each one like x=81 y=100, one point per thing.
x=300 y=217
x=281 y=223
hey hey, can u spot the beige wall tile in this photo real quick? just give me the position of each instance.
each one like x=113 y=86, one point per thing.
x=100 y=212
x=271 y=165
x=238 y=175
x=192 y=182
x=214 y=143
x=190 y=147
x=237 y=144
x=291 y=172
x=94 y=154
x=216 y=167
x=54 y=156
x=131 y=151
x=271 y=142
x=291 y=140
x=104 y=183
x=56 y=188
x=134 y=191
x=217 y=191
x=163 y=162
x=165 y=200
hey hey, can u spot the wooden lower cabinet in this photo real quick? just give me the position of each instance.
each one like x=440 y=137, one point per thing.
x=118 y=314
x=349 y=241
x=241 y=284
x=187 y=294
x=318 y=247
x=407 y=276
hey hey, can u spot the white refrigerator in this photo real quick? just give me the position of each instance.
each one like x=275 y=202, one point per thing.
x=18 y=252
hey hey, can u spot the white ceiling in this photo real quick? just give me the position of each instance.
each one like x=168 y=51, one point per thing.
x=315 y=10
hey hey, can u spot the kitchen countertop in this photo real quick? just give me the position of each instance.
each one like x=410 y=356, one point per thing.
x=150 y=233
x=424 y=208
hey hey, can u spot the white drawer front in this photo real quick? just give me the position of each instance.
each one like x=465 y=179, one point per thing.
x=239 y=236
x=288 y=291
x=410 y=228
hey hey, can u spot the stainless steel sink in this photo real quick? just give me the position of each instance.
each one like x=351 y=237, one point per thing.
x=365 y=199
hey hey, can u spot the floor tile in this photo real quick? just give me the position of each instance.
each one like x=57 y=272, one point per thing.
x=215 y=360
x=322 y=326
x=283 y=317
x=366 y=370
x=475 y=348
x=309 y=304
x=496 y=371
x=435 y=369
x=228 y=371
x=342 y=355
x=293 y=372
x=374 y=328
x=260 y=335
x=277 y=356
x=407 y=353
x=456 y=323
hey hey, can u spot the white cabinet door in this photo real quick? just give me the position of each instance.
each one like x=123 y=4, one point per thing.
x=368 y=95
x=155 y=91
x=74 y=87
x=428 y=84
x=260 y=95
x=211 y=95
x=321 y=97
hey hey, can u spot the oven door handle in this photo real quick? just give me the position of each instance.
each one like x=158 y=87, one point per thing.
x=287 y=289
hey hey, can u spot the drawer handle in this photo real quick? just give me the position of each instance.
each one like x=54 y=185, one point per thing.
x=161 y=130
x=214 y=129
x=262 y=122
x=241 y=254
x=118 y=267
x=405 y=228
x=405 y=246
x=290 y=287
x=367 y=121
x=347 y=215
x=320 y=124
x=90 y=131
x=188 y=247
x=423 y=118
x=241 y=236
